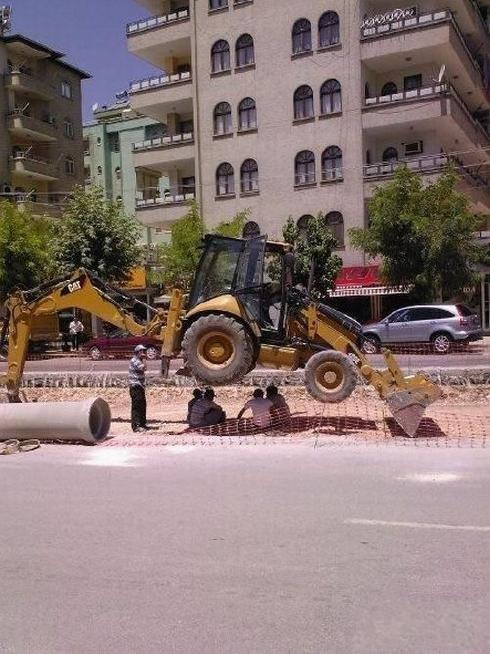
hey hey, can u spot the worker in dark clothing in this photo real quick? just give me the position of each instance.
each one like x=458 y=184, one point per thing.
x=196 y=395
x=137 y=370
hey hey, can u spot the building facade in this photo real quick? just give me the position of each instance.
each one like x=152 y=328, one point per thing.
x=294 y=108
x=41 y=142
x=109 y=143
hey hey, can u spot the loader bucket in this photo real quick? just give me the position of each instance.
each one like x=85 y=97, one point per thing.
x=408 y=405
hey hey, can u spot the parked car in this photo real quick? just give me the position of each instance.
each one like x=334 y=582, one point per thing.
x=120 y=344
x=442 y=325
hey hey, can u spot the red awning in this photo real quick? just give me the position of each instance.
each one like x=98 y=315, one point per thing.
x=358 y=276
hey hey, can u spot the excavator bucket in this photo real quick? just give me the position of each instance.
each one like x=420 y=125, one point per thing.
x=408 y=405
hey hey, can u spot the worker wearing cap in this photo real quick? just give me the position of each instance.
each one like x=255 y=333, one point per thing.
x=137 y=370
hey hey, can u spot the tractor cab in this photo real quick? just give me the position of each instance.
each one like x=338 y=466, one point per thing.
x=253 y=271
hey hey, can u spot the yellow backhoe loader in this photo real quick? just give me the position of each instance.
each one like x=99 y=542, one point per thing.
x=243 y=310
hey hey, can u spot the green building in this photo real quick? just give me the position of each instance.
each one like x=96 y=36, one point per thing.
x=108 y=156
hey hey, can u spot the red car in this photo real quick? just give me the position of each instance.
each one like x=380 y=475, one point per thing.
x=120 y=345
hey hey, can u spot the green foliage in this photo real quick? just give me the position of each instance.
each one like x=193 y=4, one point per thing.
x=97 y=234
x=314 y=262
x=424 y=235
x=177 y=261
x=25 y=256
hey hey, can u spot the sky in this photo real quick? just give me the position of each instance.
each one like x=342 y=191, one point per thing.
x=92 y=34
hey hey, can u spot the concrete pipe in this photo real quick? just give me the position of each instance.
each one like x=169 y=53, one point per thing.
x=87 y=421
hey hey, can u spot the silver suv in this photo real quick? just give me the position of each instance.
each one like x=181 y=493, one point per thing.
x=439 y=324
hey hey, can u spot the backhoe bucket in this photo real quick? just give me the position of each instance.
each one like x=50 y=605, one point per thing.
x=408 y=405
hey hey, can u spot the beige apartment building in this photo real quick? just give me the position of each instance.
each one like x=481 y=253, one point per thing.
x=292 y=108
x=41 y=140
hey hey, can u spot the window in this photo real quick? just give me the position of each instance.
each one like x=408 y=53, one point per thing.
x=301 y=36
x=303 y=103
x=245 y=55
x=331 y=97
x=247 y=114
x=223 y=123
x=303 y=223
x=114 y=142
x=225 y=179
x=390 y=88
x=99 y=170
x=304 y=168
x=155 y=131
x=66 y=90
x=220 y=56
x=86 y=146
x=188 y=184
x=328 y=29
x=332 y=163
x=69 y=166
x=390 y=155
x=335 y=223
x=99 y=141
x=418 y=314
x=412 y=82
x=68 y=130
x=118 y=173
x=249 y=176
x=218 y=4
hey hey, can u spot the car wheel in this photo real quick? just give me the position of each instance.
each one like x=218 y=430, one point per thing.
x=441 y=343
x=152 y=353
x=371 y=344
x=95 y=354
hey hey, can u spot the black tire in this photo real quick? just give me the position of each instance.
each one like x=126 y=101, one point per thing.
x=218 y=350
x=441 y=342
x=371 y=344
x=341 y=370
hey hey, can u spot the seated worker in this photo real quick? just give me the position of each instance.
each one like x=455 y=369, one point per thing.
x=261 y=409
x=196 y=395
x=205 y=412
x=280 y=408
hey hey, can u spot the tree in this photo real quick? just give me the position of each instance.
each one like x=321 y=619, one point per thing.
x=177 y=261
x=97 y=234
x=316 y=267
x=424 y=235
x=25 y=254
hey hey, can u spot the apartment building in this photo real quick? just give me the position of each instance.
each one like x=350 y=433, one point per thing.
x=292 y=108
x=41 y=143
x=109 y=142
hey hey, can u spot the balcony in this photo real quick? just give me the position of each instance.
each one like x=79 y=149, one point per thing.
x=162 y=212
x=437 y=107
x=472 y=182
x=159 y=153
x=432 y=38
x=157 y=96
x=159 y=37
x=29 y=85
x=31 y=129
x=33 y=167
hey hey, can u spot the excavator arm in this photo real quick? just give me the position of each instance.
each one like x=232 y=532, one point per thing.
x=82 y=290
x=325 y=328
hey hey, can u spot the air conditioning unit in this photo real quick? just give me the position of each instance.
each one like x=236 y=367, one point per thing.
x=417 y=147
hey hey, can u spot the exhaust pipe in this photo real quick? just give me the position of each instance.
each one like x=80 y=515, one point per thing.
x=88 y=421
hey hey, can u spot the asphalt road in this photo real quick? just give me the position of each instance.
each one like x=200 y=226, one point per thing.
x=355 y=550
x=470 y=359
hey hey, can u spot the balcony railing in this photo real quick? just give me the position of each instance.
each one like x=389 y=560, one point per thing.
x=427 y=164
x=159 y=81
x=424 y=93
x=46 y=126
x=413 y=22
x=166 y=200
x=157 y=21
x=164 y=141
x=404 y=96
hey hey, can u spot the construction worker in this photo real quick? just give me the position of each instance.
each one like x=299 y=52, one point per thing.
x=136 y=379
x=76 y=330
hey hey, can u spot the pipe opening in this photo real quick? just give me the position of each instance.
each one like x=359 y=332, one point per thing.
x=99 y=419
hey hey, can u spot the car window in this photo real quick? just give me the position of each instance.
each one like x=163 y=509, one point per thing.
x=465 y=311
x=424 y=313
x=398 y=316
x=444 y=313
